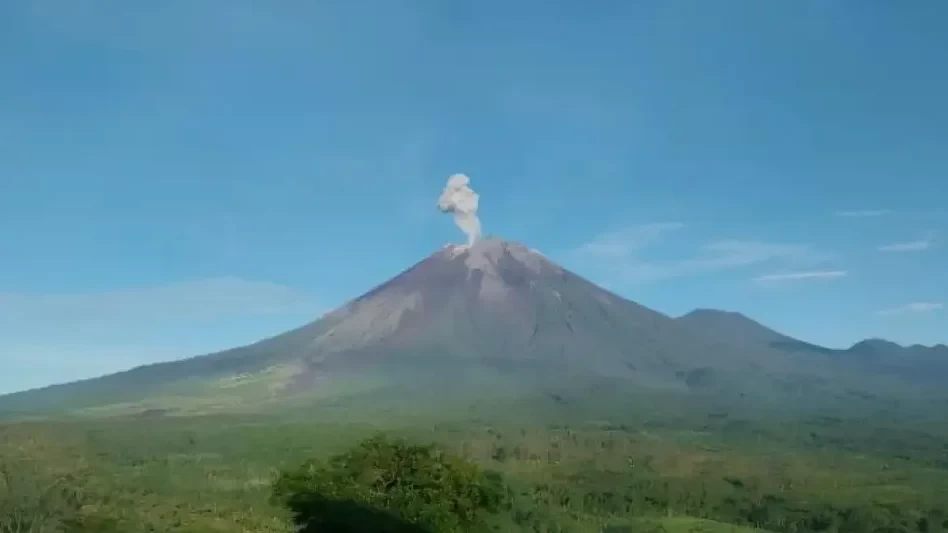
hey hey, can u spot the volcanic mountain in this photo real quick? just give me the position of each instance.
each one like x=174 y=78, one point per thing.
x=498 y=310
x=499 y=303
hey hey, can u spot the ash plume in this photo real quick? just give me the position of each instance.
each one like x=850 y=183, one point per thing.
x=458 y=198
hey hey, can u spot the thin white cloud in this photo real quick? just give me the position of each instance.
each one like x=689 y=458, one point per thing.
x=32 y=365
x=617 y=255
x=912 y=308
x=864 y=213
x=171 y=25
x=800 y=276
x=919 y=245
x=626 y=241
x=202 y=299
x=739 y=253
x=81 y=335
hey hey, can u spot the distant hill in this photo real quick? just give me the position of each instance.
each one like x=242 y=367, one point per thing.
x=920 y=365
x=728 y=326
x=497 y=318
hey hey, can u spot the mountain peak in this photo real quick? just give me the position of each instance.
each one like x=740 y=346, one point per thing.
x=486 y=255
x=875 y=346
x=706 y=312
x=729 y=324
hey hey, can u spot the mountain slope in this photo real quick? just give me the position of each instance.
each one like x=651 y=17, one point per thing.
x=492 y=319
x=496 y=304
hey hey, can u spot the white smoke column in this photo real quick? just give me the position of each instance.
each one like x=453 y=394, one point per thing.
x=458 y=198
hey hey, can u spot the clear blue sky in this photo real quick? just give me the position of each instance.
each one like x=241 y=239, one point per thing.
x=182 y=176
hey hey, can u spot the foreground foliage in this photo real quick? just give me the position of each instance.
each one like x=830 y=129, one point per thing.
x=716 y=475
x=34 y=501
x=421 y=485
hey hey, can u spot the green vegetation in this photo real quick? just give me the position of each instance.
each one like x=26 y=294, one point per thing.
x=421 y=485
x=669 y=471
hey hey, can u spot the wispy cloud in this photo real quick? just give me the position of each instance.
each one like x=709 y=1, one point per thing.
x=864 y=213
x=39 y=364
x=173 y=24
x=56 y=337
x=627 y=241
x=912 y=308
x=617 y=255
x=800 y=276
x=738 y=253
x=919 y=245
x=203 y=299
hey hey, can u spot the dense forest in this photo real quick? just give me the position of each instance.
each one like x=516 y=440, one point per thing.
x=206 y=474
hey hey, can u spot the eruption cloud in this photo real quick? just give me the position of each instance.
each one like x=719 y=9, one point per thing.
x=458 y=198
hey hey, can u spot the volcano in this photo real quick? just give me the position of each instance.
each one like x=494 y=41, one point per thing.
x=496 y=309
x=499 y=303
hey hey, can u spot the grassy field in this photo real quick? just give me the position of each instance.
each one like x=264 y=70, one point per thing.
x=677 y=471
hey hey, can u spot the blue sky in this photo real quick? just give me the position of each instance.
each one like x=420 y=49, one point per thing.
x=183 y=176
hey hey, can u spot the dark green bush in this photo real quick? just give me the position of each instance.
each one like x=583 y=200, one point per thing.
x=390 y=485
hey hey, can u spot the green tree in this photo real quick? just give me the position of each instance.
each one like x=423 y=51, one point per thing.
x=386 y=484
x=866 y=519
x=35 y=501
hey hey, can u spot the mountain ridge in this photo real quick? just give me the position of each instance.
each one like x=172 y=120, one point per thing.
x=723 y=315
x=498 y=307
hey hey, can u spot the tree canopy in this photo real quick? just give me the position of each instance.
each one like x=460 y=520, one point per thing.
x=389 y=485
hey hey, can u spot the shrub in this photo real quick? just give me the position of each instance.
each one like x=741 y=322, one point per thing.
x=389 y=485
